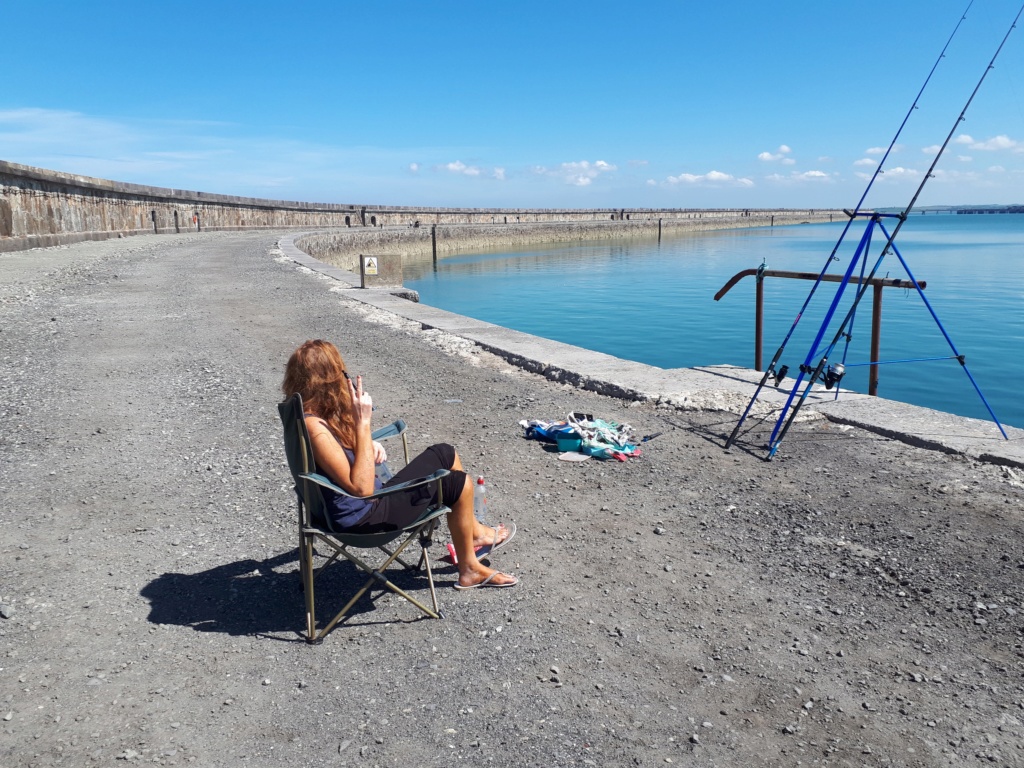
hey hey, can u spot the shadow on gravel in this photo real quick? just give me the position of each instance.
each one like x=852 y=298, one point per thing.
x=250 y=597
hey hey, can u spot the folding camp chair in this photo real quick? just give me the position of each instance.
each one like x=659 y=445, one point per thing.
x=314 y=523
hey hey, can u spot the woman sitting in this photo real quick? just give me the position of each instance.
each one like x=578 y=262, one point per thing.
x=337 y=414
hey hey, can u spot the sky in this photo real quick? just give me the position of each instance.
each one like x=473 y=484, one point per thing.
x=529 y=104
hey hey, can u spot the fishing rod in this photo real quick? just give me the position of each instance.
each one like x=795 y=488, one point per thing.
x=770 y=370
x=774 y=441
x=849 y=334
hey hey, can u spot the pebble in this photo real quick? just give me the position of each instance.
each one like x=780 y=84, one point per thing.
x=695 y=739
x=6 y=611
x=659 y=530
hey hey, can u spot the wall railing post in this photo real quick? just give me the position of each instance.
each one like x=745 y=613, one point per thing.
x=876 y=339
x=759 y=324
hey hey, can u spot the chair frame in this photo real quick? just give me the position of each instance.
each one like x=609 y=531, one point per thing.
x=310 y=502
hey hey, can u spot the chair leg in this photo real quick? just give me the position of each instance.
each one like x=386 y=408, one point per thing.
x=376 y=574
x=426 y=540
x=430 y=582
x=306 y=566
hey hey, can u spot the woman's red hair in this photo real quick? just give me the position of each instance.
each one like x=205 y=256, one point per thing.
x=316 y=371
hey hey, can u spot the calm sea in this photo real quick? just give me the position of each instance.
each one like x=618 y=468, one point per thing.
x=653 y=302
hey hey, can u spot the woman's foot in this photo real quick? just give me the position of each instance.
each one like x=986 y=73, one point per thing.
x=492 y=538
x=472 y=578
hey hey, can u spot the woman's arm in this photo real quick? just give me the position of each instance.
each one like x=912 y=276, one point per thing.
x=357 y=476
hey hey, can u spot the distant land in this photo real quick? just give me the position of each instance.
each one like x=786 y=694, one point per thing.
x=964 y=209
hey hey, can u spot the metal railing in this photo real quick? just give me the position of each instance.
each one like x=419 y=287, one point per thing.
x=878 y=283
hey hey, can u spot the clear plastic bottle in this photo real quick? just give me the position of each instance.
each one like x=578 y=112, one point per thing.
x=480 y=500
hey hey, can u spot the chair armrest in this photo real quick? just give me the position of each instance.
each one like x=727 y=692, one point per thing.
x=326 y=483
x=391 y=430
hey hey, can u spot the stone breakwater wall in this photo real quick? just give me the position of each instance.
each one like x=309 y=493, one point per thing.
x=40 y=207
x=343 y=248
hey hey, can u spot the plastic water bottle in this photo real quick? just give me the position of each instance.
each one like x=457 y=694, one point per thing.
x=480 y=500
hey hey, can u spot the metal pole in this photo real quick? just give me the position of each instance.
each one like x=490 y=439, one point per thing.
x=876 y=340
x=759 y=323
x=433 y=242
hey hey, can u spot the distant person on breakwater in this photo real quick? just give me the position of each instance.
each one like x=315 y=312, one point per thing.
x=338 y=413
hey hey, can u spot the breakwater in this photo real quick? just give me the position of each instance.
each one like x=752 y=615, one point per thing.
x=342 y=248
x=40 y=207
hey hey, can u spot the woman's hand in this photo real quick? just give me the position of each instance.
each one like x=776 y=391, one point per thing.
x=379 y=454
x=362 y=403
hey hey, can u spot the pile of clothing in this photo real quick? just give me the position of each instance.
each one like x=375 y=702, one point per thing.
x=583 y=433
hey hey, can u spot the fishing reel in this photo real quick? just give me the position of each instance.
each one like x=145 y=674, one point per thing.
x=833 y=375
x=780 y=374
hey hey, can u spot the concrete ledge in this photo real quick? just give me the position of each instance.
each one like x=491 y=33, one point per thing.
x=717 y=387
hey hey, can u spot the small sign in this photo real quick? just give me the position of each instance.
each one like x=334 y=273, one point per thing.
x=369 y=265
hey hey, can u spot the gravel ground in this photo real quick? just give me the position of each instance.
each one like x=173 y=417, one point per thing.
x=855 y=603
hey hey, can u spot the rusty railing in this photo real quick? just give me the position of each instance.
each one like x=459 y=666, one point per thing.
x=878 y=283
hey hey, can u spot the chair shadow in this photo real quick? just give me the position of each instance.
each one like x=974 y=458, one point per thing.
x=252 y=597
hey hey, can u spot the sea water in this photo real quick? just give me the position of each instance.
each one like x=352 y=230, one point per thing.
x=653 y=302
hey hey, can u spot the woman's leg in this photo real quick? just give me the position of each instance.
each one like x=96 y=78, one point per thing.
x=462 y=525
x=482 y=535
x=466 y=532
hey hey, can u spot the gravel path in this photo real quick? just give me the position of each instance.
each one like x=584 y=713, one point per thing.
x=856 y=602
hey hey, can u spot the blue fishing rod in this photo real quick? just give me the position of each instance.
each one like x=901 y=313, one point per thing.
x=770 y=370
x=779 y=435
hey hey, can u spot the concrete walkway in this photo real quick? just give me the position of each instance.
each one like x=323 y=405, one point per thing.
x=722 y=387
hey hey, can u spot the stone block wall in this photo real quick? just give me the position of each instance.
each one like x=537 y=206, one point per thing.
x=39 y=207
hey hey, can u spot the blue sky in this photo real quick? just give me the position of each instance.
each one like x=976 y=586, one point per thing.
x=554 y=104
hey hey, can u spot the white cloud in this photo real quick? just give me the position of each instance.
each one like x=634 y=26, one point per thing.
x=499 y=174
x=778 y=156
x=964 y=158
x=932 y=150
x=899 y=172
x=866 y=161
x=578 y=174
x=711 y=177
x=997 y=143
x=414 y=167
x=638 y=163
x=996 y=169
x=874 y=151
x=800 y=177
x=460 y=167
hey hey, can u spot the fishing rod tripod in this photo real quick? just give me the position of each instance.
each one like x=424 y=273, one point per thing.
x=831 y=374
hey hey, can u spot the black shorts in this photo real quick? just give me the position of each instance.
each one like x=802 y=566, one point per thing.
x=400 y=509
